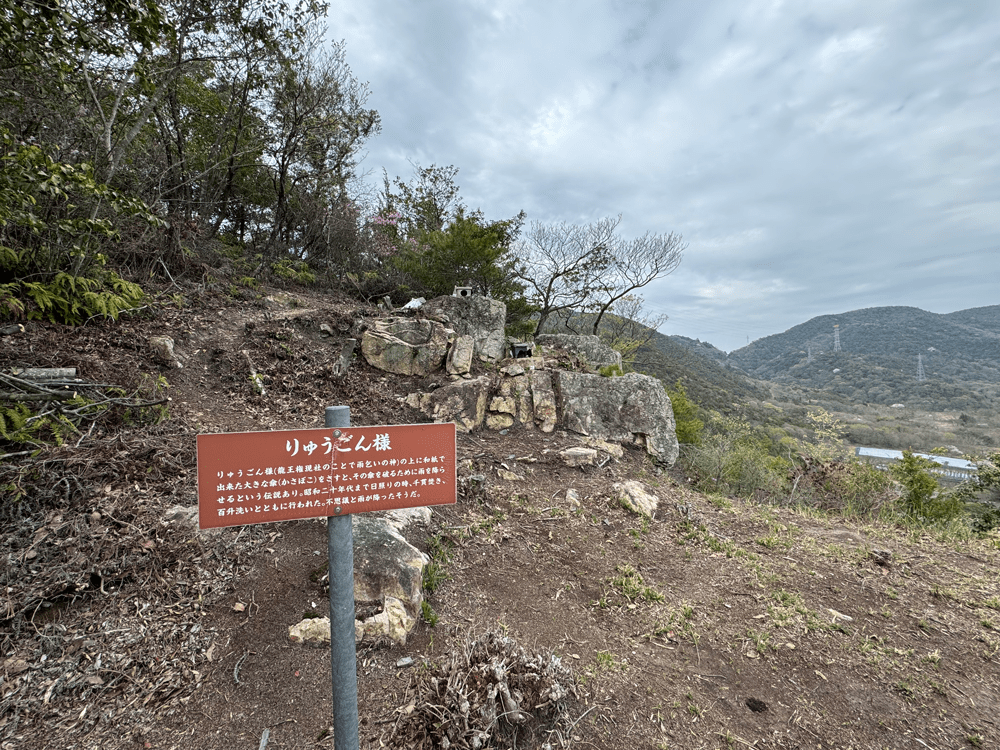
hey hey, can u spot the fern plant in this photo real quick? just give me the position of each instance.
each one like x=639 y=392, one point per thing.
x=21 y=426
x=13 y=422
x=72 y=299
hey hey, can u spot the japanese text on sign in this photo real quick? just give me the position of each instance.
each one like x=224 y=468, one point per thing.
x=247 y=478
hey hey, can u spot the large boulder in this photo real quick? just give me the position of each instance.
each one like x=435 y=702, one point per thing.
x=481 y=318
x=385 y=564
x=632 y=408
x=590 y=348
x=406 y=346
x=463 y=402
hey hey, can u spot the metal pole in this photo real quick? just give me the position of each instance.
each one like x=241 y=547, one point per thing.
x=343 y=658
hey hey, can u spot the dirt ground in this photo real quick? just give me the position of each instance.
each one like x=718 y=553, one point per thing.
x=717 y=624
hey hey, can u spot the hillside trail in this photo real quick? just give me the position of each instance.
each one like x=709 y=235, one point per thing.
x=717 y=623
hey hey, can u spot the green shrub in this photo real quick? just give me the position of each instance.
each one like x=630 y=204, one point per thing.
x=428 y=614
x=689 y=427
x=865 y=489
x=21 y=426
x=294 y=270
x=734 y=458
x=611 y=371
x=983 y=518
x=55 y=220
x=69 y=299
x=921 y=500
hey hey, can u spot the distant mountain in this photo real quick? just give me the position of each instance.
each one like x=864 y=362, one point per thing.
x=701 y=368
x=882 y=353
x=703 y=348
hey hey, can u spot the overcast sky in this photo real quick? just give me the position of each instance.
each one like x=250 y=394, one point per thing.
x=817 y=157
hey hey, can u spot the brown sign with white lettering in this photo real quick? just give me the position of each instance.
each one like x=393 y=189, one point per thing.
x=260 y=477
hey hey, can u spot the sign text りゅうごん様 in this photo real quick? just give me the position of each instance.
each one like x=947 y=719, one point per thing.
x=260 y=477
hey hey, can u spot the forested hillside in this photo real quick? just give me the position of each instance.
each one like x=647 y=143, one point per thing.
x=146 y=141
x=887 y=355
x=707 y=382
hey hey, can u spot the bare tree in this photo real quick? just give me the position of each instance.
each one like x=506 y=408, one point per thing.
x=628 y=329
x=635 y=264
x=569 y=270
x=563 y=265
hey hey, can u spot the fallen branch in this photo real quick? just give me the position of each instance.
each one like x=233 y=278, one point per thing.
x=16 y=396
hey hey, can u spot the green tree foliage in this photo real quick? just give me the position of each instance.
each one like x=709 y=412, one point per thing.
x=233 y=121
x=469 y=251
x=50 y=264
x=985 y=483
x=318 y=124
x=438 y=244
x=424 y=204
x=689 y=427
x=982 y=493
x=921 y=500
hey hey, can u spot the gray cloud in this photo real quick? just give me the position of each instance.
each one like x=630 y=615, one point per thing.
x=816 y=159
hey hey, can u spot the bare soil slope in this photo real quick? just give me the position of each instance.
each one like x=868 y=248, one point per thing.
x=719 y=624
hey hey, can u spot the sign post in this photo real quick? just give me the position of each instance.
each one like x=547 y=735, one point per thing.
x=343 y=658
x=260 y=477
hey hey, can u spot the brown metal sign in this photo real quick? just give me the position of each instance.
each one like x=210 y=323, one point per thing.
x=260 y=477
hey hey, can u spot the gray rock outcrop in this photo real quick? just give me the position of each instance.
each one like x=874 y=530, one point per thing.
x=406 y=346
x=629 y=409
x=480 y=317
x=463 y=403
